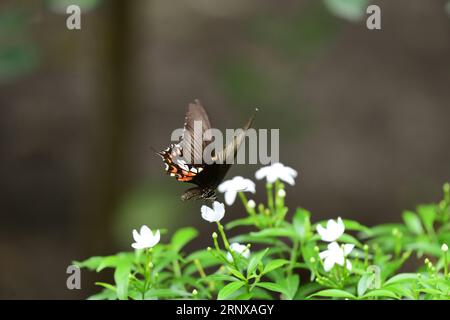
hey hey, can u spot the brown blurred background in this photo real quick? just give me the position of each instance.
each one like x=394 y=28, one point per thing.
x=363 y=116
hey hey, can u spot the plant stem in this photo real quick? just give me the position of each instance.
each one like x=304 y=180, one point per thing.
x=445 y=265
x=269 y=187
x=224 y=237
x=293 y=256
x=146 y=271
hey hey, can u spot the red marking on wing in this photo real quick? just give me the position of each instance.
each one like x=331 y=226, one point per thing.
x=172 y=167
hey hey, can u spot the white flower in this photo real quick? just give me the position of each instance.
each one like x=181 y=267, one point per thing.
x=336 y=255
x=239 y=249
x=444 y=247
x=214 y=214
x=333 y=231
x=251 y=204
x=146 y=238
x=277 y=171
x=233 y=186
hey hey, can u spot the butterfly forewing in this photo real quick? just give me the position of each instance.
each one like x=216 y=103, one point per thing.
x=192 y=141
x=228 y=154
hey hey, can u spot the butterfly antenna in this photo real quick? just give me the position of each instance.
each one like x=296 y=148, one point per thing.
x=252 y=118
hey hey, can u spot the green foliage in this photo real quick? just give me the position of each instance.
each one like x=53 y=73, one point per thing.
x=18 y=53
x=278 y=250
x=352 y=10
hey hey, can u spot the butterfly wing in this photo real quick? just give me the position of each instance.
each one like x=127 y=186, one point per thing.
x=195 y=125
x=190 y=147
x=229 y=152
x=179 y=158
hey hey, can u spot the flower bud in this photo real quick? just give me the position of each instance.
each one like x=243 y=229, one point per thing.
x=251 y=204
x=444 y=247
x=214 y=235
x=281 y=193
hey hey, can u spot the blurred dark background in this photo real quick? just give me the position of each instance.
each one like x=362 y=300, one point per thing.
x=363 y=116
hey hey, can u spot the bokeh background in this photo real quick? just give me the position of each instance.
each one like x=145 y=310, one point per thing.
x=363 y=116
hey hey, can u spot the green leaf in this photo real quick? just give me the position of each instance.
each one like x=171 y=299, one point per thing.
x=271 y=286
x=382 y=230
x=237 y=274
x=350 y=239
x=91 y=263
x=364 y=283
x=429 y=248
x=244 y=296
x=240 y=222
x=431 y=291
x=302 y=224
x=106 y=286
x=115 y=260
x=121 y=278
x=306 y=289
x=428 y=214
x=274 y=264
x=380 y=293
x=275 y=232
x=219 y=277
x=401 y=277
x=182 y=237
x=401 y=290
x=255 y=260
x=166 y=293
x=290 y=286
x=333 y=293
x=354 y=225
x=105 y=294
x=412 y=221
x=229 y=289
x=352 y=10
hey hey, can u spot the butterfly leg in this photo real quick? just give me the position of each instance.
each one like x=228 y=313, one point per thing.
x=209 y=195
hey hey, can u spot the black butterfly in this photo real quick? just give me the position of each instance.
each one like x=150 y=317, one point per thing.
x=206 y=176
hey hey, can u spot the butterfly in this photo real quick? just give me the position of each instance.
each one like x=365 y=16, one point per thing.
x=205 y=175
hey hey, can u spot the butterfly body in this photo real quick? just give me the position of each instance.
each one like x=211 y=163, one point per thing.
x=206 y=176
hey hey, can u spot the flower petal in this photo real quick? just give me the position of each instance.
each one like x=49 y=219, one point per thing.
x=340 y=226
x=155 y=239
x=145 y=233
x=230 y=196
x=224 y=186
x=321 y=231
x=328 y=264
x=262 y=173
x=323 y=254
x=137 y=245
x=348 y=248
x=334 y=247
x=207 y=213
x=339 y=258
x=291 y=172
x=136 y=236
x=219 y=210
x=349 y=265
